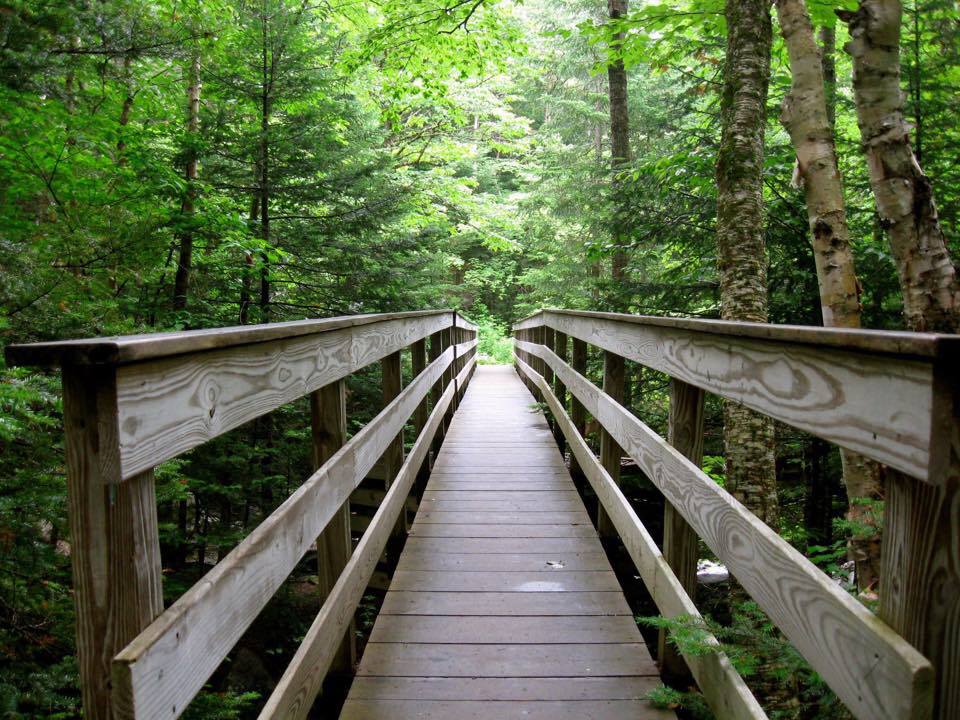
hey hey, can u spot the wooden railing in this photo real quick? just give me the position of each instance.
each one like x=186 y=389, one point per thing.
x=893 y=397
x=130 y=403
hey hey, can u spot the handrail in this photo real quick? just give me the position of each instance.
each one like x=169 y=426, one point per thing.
x=849 y=387
x=133 y=402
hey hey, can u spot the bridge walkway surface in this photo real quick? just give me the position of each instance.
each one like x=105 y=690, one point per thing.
x=503 y=604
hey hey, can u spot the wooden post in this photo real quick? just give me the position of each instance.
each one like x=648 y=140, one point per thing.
x=920 y=553
x=328 y=412
x=680 y=542
x=446 y=336
x=392 y=381
x=578 y=414
x=610 y=452
x=115 y=546
x=418 y=353
x=559 y=389
x=436 y=347
x=547 y=338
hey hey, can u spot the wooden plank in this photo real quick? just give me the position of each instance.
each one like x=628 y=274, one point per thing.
x=876 y=673
x=610 y=452
x=724 y=689
x=498 y=603
x=502 y=531
x=488 y=517
x=512 y=689
x=529 y=507
x=680 y=542
x=136 y=348
x=544 y=580
x=168 y=663
x=491 y=710
x=876 y=405
x=506 y=660
x=503 y=630
x=115 y=547
x=504 y=562
x=328 y=412
x=504 y=494
x=295 y=693
x=497 y=485
x=167 y=406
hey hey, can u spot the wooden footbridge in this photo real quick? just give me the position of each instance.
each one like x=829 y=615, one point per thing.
x=502 y=603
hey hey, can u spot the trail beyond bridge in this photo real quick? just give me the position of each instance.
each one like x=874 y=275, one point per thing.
x=502 y=603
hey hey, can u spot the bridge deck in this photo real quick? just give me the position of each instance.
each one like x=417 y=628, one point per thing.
x=503 y=604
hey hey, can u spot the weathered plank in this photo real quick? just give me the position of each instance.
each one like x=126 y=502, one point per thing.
x=167 y=406
x=504 y=562
x=498 y=603
x=875 y=672
x=295 y=693
x=165 y=666
x=535 y=515
x=439 y=530
x=725 y=690
x=510 y=689
x=494 y=710
x=543 y=580
x=541 y=630
x=506 y=660
x=875 y=404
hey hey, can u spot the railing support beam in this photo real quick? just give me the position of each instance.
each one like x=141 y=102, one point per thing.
x=680 y=542
x=115 y=546
x=328 y=407
x=578 y=414
x=610 y=452
x=392 y=381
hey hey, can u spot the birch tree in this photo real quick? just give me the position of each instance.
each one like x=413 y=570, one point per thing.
x=741 y=250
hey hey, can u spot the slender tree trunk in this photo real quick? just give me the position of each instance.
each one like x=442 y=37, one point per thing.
x=748 y=437
x=247 y=278
x=181 y=284
x=264 y=162
x=620 y=156
x=806 y=116
x=828 y=46
x=904 y=195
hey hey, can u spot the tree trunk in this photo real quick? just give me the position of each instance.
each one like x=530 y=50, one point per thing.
x=806 y=117
x=904 y=195
x=828 y=45
x=748 y=437
x=181 y=284
x=619 y=156
x=264 y=163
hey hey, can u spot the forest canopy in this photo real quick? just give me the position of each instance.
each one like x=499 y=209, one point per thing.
x=186 y=164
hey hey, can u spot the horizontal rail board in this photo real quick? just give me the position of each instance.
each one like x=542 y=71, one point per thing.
x=137 y=348
x=878 y=406
x=294 y=694
x=168 y=406
x=158 y=673
x=726 y=692
x=874 y=671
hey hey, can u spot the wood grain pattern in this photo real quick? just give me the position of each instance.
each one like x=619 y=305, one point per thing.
x=875 y=672
x=722 y=686
x=167 y=406
x=164 y=667
x=504 y=689
x=500 y=710
x=876 y=405
x=137 y=348
x=115 y=547
x=498 y=630
x=295 y=693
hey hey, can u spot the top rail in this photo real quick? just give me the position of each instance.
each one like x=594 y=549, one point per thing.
x=874 y=392
x=122 y=349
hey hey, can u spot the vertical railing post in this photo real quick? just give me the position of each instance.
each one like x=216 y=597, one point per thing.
x=610 y=452
x=547 y=372
x=436 y=348
x=418 y=358
x=446 y=336
x=578 y=413
x=115 y=546
x=328 y=411
x=559 y=389
x=920 y=552
x=393 y=456
x=680 y=542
